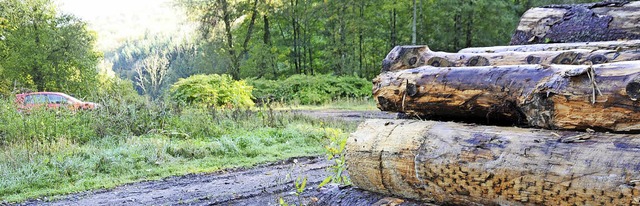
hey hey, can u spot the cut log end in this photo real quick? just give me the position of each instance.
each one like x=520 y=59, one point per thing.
x=633 y=90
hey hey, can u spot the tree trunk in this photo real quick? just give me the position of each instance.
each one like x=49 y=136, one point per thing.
x=413 y=23
x=605 y=45
x=295 y=27
x=392 y=22
x=602 y=96
x=460 y=164
x=407 y=57
x=579 y=23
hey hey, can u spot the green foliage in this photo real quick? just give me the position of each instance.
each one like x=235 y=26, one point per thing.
x=43 y=50
x=154 y=62
x=344 y=37
x=49 y=152
x=218 y=91
x=336 y=151
x=306 y=89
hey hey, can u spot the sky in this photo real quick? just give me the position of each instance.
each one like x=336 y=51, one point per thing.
x=118 y=20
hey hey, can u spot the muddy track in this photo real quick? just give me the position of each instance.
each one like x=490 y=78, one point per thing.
x=260 y=185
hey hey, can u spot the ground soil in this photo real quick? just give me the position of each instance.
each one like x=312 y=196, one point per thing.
x=262 y=185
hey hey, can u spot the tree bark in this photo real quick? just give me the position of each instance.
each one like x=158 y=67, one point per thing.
x=601 y=97
x=339 y=195
x=413 y=23
x=407 y=57
x=631 y=45
x=579 y=23
x=460 y=164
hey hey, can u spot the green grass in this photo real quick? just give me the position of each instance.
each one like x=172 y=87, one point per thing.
x=348 y=104
x=48 y=153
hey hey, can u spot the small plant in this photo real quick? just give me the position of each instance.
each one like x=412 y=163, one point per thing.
x=301 y=184
x=336 y=151
x=217 y=91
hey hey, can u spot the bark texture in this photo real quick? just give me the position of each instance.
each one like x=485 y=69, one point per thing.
x=335 y=195
x=458 y=164
x=407 y=57
x=627 y=45
x=601 y=97
x=603 y=21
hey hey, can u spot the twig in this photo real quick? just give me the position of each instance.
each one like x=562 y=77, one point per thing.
x=591 y=73
x=404 y=95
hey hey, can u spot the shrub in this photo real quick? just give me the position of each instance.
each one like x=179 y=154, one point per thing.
x=219 y=91
x=305 y=89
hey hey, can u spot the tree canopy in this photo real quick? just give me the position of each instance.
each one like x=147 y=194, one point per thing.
x=279 y=38
x=43 y=50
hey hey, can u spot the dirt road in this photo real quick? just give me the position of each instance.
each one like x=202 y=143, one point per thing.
x=261 y=185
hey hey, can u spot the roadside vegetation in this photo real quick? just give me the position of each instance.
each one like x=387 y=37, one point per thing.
x=57 y=152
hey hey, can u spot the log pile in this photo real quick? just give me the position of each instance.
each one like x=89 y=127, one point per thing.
x=605 y=21
x=566 y=97
x=603 y=97
x=407 y=57
x=626 y=45
x=459 y=164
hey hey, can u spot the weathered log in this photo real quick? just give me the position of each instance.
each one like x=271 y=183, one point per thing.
x=407 y=57
x=461 y=164
x=601 y=97
x=632 y=45
x=579 y=23
x=335 y=195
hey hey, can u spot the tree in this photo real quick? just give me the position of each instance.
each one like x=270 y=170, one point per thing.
x=210 y=14
x=151 y=73
x=46 y=51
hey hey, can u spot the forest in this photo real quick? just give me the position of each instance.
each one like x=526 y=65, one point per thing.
x=44 y=49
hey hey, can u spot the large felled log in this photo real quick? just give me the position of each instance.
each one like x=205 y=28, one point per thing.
x=335 y=195
x=632 y=45
x=460 y=164
x=579 y=23
x=602 y=96
x=407 y=57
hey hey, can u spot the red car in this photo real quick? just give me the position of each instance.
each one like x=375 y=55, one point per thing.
x=27 y=101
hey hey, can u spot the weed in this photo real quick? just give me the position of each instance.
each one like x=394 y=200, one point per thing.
x=50 y=152
x=336 y=151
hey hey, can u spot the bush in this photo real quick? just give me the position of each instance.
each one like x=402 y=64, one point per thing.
x=304 y=89
x=218 y=91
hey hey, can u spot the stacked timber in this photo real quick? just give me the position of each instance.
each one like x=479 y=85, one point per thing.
x=407 y=57
x=460 y=164
x=605 y=21
x=563 y=95
x=626 y=45
x=603 y=96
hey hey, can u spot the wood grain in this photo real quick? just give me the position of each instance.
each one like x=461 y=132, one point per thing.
x=579 y=23
x=576 y=97
x=408 y=57
x=626 y=45
x=461 y=164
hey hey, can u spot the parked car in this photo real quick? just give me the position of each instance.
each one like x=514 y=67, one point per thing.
x=51 y=100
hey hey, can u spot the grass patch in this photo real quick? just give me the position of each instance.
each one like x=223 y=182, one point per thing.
x=47 y=153
x=349 y=104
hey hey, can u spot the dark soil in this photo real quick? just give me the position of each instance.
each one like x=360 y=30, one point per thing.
x=261 y=185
